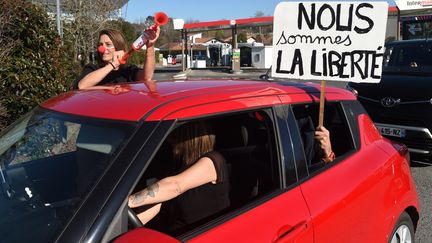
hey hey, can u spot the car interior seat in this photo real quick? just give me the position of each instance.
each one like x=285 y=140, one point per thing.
x=241 y=143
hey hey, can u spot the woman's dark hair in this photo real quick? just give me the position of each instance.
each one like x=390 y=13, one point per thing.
x=191 y=141
x=117 y=38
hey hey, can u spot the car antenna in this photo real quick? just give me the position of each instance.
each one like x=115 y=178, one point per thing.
x=266 y=76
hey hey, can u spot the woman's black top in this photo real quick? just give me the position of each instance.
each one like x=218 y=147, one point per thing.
x=126 y=73
x=199 y=204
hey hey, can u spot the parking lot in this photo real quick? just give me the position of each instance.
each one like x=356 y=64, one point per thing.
x=422 y=173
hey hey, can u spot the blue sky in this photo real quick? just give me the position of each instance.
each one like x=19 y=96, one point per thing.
x=202 y=10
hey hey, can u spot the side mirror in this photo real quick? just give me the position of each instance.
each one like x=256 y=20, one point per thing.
x=145 y=235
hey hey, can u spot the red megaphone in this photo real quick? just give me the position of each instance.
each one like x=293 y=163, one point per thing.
x=161 y=19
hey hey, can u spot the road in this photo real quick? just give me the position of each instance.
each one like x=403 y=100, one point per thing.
x=423 y=178
x=165 y=73
x=422 y=174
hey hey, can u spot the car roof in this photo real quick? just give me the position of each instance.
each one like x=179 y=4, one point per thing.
x=138 y=103
x=408 y=42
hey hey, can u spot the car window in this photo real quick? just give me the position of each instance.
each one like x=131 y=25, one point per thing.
x=48 y=163
x=247 y=143
x=416 y=55
x=335 y=122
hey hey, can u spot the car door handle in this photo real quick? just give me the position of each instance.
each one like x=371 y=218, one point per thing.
x=290 y=231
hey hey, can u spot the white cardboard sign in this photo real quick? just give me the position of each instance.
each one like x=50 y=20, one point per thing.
x=339 y=41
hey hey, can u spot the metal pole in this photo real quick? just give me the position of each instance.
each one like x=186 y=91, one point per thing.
x=186 y=50
x=398 y=24
x=234 y=36
x=235 y=65
x=59 y=30
x=183 y=50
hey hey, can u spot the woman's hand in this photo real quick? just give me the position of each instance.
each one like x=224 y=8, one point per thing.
x=116 y=57
x=322 y=135
x=153 y=36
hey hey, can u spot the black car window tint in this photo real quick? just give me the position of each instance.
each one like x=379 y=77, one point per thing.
x=413 y=56
x=334 y=120
x=246 y=141
x=49 y=162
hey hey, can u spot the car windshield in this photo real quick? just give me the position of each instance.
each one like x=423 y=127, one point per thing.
x=408 y=58
x=48 y=164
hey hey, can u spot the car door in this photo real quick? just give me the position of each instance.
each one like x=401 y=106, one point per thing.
x=281 y=216
x=347 y=198
x=276 y=211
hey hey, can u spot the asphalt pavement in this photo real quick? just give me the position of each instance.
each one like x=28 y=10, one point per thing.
x=423 y=178
x=422 y=173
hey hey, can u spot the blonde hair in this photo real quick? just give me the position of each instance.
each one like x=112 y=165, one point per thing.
x=191 y=141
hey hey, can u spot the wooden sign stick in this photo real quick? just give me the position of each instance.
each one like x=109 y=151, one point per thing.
x=322 y=100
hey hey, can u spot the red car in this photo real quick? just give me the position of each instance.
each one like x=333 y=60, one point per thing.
x=68 y=167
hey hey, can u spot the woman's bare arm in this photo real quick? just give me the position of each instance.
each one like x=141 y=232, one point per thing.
x=150 y=61
x=149 y=214
x=93 y=78
x=202 y=172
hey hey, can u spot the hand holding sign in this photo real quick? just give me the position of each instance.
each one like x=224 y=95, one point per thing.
x=329 y=41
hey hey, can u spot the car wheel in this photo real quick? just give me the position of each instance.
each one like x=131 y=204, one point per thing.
x=133 y=219
x=403 y=231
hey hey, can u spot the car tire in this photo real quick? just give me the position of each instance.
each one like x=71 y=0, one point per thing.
x=403 y=231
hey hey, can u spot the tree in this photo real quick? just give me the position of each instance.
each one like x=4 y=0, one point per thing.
x=3 y=117
x=259 y=13
x=82 y=22
x=241 y=38
x=131 y=33
x=258 y=29
x=37 y=66
x=168 y=34
x=6 y=45
x=258 y=38
x=218 y=34
x=6 y=42
x=191 y=21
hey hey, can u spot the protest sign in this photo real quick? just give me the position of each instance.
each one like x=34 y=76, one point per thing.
x=339 y=41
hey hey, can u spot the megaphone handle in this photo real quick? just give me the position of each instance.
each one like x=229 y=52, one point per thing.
x=125 y=57
x=154 y=27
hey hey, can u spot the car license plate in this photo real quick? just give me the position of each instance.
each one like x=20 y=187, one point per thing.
x=391 y=131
